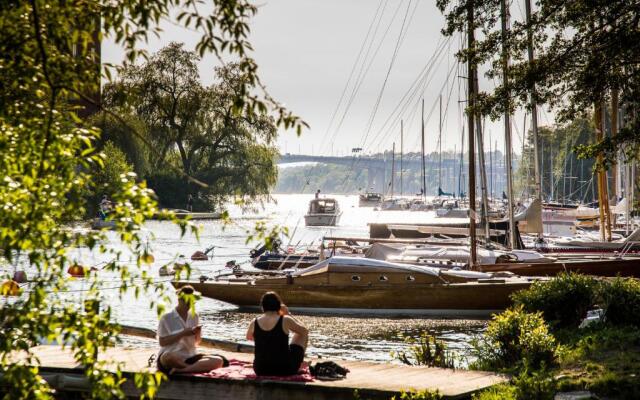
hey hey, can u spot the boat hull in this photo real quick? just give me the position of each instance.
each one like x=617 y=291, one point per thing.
x=597 y=267
x=321 y=219
x=456 y=299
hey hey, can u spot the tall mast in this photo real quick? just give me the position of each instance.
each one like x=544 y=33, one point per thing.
x=507 y=123
x=471 y=73
x=534 y=115
x=424 y=178
x=440 y=148
x=393 y=166
x=484 y=209
x=401 y=150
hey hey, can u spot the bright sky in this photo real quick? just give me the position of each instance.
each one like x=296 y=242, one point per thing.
x=307 y=49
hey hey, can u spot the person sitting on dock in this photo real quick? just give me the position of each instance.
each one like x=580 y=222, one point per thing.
x=179 y=333
x=274 y=356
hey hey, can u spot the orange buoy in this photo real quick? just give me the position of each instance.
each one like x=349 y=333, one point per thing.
x=199 y=256
x=20 y=277
x=77 y=271
x=147 y=258
x=10 y=288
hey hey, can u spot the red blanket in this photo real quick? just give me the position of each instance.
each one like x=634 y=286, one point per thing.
x=241 y=370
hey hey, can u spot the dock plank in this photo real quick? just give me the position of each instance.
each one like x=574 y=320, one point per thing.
x=372 y=380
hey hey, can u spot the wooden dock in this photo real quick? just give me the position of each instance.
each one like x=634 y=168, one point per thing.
x=371 y=380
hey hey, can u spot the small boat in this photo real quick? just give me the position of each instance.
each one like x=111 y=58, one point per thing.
x=323 y=212
x=369 y=199
x=348 y=285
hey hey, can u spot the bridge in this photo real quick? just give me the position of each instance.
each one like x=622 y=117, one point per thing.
x=378 y=167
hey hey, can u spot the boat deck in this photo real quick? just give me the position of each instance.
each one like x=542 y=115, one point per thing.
x=371 y=380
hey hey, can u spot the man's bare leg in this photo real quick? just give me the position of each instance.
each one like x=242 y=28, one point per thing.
x=205 y=364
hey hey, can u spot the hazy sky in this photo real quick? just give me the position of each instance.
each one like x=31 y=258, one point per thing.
x=307 y=49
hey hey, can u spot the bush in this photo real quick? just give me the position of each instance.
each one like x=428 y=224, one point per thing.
x=563 y=301
x=621 y=301
x=502 y=391
x=515 y=339
x=427 y=351
x=107 y=180
x=419 y=395
x=535 y=385
x=525 y=386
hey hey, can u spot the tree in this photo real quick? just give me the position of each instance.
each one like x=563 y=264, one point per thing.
x=49 y=71
x=587 y=53
x=565 y=175
x=232 y=153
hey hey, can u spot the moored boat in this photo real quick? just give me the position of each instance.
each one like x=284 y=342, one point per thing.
x=369 y=199
x=323 y=212
x=364 y=286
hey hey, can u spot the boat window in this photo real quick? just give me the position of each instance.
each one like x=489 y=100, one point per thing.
x=383 y=278
x=410 y=278
x=355 y=278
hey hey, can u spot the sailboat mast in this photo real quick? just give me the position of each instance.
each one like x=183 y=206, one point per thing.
x=484 y=209
x=507 y=123
x=471 y=73
x=401 y=150
x=424 y=178
x=440 y=148
x=534 y=115
x=393 y=166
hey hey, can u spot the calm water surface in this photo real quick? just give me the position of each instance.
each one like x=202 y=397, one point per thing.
x=337 y=337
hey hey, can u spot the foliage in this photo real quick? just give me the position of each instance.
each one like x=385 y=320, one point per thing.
x=419 y=395
x=558 y=159
x=603 y=360
x=563 y=301
x=427 y=350
x=515 y=339
x=106 y=180
x=534 y=385
x=211 y=149
x=620 y=298
x=50 y=75
x=502 y=391
x=586 y=52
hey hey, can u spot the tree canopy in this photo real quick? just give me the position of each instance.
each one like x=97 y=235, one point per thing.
x=195 y=129
x=49 y=73
x=587 y=53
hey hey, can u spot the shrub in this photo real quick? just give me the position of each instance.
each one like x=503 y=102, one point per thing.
x=502 y=391
x=563 y=301
x=534 y=385
x=107 y=180
x=418 y=395
x=427 y=350
x=515 y=339
x=621 y=301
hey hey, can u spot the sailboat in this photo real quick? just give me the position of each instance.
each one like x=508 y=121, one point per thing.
x=348 y=285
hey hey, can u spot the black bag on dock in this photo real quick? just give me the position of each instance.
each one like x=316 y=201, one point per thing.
x=328 y=371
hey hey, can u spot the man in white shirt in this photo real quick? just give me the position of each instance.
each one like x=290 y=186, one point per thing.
x=179 y=333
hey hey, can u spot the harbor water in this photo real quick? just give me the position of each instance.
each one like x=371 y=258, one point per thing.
x=341 y=337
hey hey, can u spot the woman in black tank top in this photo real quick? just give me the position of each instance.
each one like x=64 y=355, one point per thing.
x=273 y=354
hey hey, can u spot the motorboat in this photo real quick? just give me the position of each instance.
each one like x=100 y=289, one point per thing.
x=348 y=285
x=369 y=199
x=323 y=212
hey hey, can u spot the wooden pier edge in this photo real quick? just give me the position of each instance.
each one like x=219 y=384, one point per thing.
x=373 y=381
x=72 y=380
